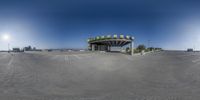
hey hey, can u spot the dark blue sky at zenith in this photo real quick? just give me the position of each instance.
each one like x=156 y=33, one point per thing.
x=170 y=24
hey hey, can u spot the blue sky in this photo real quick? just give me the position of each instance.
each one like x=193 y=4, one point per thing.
x=170 y=24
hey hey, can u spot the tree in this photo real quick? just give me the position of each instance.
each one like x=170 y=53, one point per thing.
x=141 y=47
x=151 y=48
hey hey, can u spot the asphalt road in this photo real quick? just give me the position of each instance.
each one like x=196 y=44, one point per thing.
x=99 y=76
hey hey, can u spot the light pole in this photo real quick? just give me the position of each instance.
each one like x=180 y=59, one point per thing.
x=6 y=38
x=8 y=47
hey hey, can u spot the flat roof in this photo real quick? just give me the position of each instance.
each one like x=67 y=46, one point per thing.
x=112 y=42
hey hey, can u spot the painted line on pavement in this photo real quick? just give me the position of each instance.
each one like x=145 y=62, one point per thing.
x=197 y=60
x=10 y=62
x=77 y=56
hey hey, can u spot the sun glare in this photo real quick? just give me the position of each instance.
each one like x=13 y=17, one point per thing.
x=6 y=37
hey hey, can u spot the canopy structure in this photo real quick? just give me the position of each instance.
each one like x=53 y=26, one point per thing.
x=104 y=43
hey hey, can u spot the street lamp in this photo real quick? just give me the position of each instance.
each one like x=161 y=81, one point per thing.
x=6 y=37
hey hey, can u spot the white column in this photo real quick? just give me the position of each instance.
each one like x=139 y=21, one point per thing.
x=108 y=48
x=93 y=47
x=130 y=47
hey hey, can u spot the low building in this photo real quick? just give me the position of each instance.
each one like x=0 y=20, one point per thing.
x=16 y=50
x=28 y=48
x=190 y=50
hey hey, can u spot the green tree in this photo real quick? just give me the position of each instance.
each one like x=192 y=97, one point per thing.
x=150 y=48
x=141 y=47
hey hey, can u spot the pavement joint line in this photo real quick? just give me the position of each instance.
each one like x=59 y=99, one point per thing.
x=86 y=55
x=82 y=55
x=10 y=62
x=66 y=57
x=55 y=57
x=77 y=56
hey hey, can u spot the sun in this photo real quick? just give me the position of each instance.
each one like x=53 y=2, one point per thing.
x=6 y=37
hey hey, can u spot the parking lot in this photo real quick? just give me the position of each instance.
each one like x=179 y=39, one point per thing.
x=166 y=75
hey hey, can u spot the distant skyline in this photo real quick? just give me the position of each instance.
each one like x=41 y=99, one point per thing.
x=169 y=24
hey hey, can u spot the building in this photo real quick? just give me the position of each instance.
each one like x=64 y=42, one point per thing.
x=28 y=48
x=190 y=50
x=16 y=50
x=106 y=43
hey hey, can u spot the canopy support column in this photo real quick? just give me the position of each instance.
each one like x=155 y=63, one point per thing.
x=132 y=46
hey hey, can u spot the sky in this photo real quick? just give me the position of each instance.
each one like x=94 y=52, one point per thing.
x=169 y=24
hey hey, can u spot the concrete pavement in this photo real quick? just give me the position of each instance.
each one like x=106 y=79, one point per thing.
x=167 y=75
